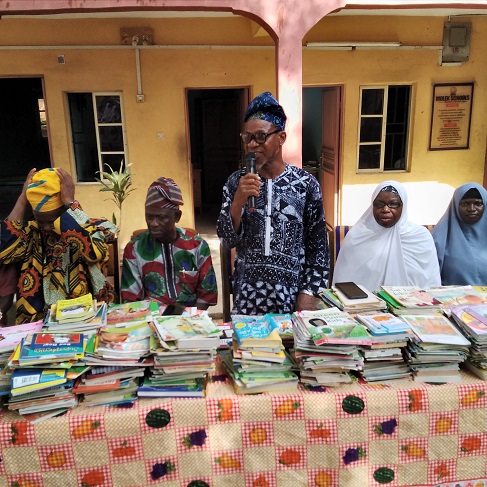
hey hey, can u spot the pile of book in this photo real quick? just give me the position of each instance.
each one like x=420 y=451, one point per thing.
x=409 y=300
x=258 y=361
x=438 y=350
x=335 y=298
x=44 y=366
x=472 y=320
x=384 y=359
x=80 y=315
x=10 y=337
x=118 y=354
x=450 y=296
x=328 y=346
x=184 y=353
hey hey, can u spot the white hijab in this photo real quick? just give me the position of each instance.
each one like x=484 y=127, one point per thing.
x=374 y=256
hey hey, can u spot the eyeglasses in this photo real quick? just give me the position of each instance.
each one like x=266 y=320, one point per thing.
x=476 y=203
x=393 y=205
x=259 y=137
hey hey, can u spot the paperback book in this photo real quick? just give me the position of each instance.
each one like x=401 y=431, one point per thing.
x=435 y=328
x=255 y=331
x=76 y=309
x=187 y=332
x=332 y=326
x=28 y=380
x=411 y=296
x=135 y=311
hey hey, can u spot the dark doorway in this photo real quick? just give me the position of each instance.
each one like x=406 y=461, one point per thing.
x=24 y=142
x=215 y=117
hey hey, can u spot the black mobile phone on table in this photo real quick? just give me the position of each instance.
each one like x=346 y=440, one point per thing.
x=351 y=290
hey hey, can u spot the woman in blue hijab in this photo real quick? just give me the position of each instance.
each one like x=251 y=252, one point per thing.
x=461 y=237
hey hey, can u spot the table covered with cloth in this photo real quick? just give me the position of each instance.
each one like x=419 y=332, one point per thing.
x=403 y=434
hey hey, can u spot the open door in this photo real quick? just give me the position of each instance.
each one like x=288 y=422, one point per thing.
x=330 y=152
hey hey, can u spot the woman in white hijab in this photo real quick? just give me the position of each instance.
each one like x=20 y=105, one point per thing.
x=385 y=249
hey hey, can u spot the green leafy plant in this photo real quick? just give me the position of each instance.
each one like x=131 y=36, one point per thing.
x=119 y=184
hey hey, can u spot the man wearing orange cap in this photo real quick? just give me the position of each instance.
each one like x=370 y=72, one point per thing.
x=168 y=263
x=61 y=251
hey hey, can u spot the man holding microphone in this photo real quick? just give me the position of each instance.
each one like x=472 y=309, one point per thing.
x=282 y=258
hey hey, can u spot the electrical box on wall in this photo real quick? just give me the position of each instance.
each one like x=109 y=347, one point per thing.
x=456 y=42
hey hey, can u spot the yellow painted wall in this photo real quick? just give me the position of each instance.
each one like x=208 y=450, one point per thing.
x=432 y=175
x=165 y=74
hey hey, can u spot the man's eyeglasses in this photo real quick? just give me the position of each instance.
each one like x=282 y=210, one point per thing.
x=259 y=137
x=393 y=205
x=476 y=203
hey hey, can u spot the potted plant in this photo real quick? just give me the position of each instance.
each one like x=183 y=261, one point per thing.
x=118 y=183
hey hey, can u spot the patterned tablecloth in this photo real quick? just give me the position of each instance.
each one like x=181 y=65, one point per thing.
x=407 y=434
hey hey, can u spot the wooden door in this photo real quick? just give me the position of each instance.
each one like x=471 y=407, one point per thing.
x=330 y=152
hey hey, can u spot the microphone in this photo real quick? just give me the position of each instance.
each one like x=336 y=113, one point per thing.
x=250 y=165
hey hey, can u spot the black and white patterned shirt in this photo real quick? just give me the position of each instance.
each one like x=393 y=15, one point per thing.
x=282 y=247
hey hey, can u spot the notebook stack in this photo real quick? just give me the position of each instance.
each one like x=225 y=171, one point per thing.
x=184 y=354
x=257 y=361
x=438 y=350
x=327 y=346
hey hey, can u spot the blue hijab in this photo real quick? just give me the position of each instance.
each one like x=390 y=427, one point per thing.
x=461 y=246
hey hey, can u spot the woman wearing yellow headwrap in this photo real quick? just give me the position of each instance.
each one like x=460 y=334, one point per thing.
x=62 y=251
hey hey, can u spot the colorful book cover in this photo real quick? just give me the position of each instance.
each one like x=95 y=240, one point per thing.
x=333 y=326
x=479 y=312
x=282 y=322
x=435 y=329
x=382 y=323
x=472 y=325
x=457 y=295
x=31 y=379
x=136 y=311
x=11 y=336
x=53 y=344
x=411 y=296
x=174 y=328
x=249 y=329
x=69 y=310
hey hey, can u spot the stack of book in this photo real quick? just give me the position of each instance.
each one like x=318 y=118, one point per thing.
x=184 y=354
x=335 y=298
x=44 y=367
x=79 y=315
x=439 y=349
x=450 y=296
x=327 y=346
x=384 y=359
x=258 y=361
x=126 y=347
x=409 y=300
x=472 y=320
x=106 y=385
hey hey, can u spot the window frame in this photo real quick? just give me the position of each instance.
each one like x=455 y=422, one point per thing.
x=97 y=125
x=382 y=141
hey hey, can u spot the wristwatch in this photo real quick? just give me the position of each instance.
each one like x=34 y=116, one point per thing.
x=67 y=206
